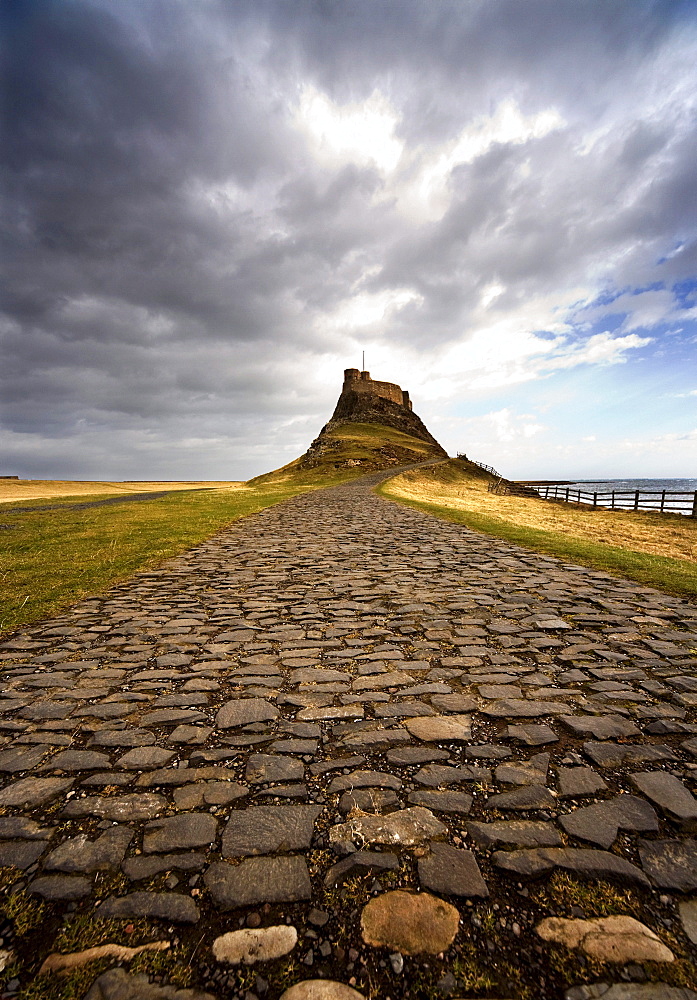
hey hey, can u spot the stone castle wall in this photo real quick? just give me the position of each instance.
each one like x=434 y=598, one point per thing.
x=355 y=381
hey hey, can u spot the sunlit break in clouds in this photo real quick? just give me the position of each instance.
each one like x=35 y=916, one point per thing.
x=211 y=209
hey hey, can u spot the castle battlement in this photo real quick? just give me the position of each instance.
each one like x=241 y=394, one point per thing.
x=356 y=381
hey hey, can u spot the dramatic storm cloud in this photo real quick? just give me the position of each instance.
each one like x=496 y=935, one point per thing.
x=211 y=208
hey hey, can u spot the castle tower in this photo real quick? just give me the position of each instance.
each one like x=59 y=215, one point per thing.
x=366 y=400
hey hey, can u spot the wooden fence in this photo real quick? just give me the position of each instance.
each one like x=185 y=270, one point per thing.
x=663 y=501
x=487 y=468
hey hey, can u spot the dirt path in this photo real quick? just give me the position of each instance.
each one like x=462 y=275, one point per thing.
x=332 y=700
x=126 y=498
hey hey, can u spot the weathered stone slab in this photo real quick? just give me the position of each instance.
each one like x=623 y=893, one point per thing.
x=147 y=866
x=405 y=756
x=590 y=864
x=405 y=827
x=258 y=880
x=117 y=984
x=28 y=793
x=688 y=916
x=670 y=864
x=516 y=832
x=263 y=767
x=21 y=853
x=364 y=779
x=145 y=758
x=320 y=713
x=600 y=823
x=515 y=708
x=441 y=728
x=533 y=734
x=244 y=711
x=78 y=760
x=80 y=854
x=458 y=803
x=377 y=739
x=654 y=990
x=321 y=989
x=435 y=775
x=458 y=703
x=578 y=782
x=63 y=888
x=607 y=939
x=529 y=772
x=618 y=754
x=360 y=863
x=22 y=759
x=371 y=800
x=208 y=793
x=170 y=906
x=670 y=795
x=175 y=833
x=266 y=829
x=123 y=738
x=525 y=797
x=451 y=872
x=602 y=727
x=20 y=827
x=393 y=678
x=120 y=808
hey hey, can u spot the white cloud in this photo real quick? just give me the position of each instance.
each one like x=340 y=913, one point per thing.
x=357 y=132
x=502 y=426
x=423 y=192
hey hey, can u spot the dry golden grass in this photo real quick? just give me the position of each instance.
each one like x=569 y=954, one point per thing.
x=12 y=490
x=445 y=485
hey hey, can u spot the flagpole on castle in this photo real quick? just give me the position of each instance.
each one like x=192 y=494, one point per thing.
x=363 y=368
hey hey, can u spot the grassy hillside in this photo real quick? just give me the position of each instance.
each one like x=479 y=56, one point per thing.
x=347 y=451
x=659 y=550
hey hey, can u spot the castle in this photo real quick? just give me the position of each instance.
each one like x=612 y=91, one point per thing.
x=355 y=381
x=363 y=400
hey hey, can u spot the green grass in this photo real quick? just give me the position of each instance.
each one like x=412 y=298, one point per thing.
x=370 y=446
x=676 y=576
x=53 y=559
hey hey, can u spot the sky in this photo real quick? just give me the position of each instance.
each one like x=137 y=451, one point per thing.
x=211 y=209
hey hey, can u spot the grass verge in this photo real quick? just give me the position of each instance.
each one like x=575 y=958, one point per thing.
x=653 y=549
x=53 y=559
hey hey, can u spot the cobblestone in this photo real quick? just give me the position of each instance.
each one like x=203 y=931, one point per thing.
x=399 y=677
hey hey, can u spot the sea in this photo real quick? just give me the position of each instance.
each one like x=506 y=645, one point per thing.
x=606 y=485
x=676 y=505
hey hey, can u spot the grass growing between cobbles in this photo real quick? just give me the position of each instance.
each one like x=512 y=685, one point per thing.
x=53 y=559
x=654 y=549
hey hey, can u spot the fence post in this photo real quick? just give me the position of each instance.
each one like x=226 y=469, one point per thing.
x=613 y=500
x=567 y=494
x=636 y=500
x=694 y=504
x=663 y=500
x=595 y=499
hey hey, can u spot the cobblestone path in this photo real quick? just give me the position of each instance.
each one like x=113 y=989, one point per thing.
x=331 y=702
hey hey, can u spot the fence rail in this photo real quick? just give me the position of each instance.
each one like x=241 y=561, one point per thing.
x=480 y=465
x=663 y=501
